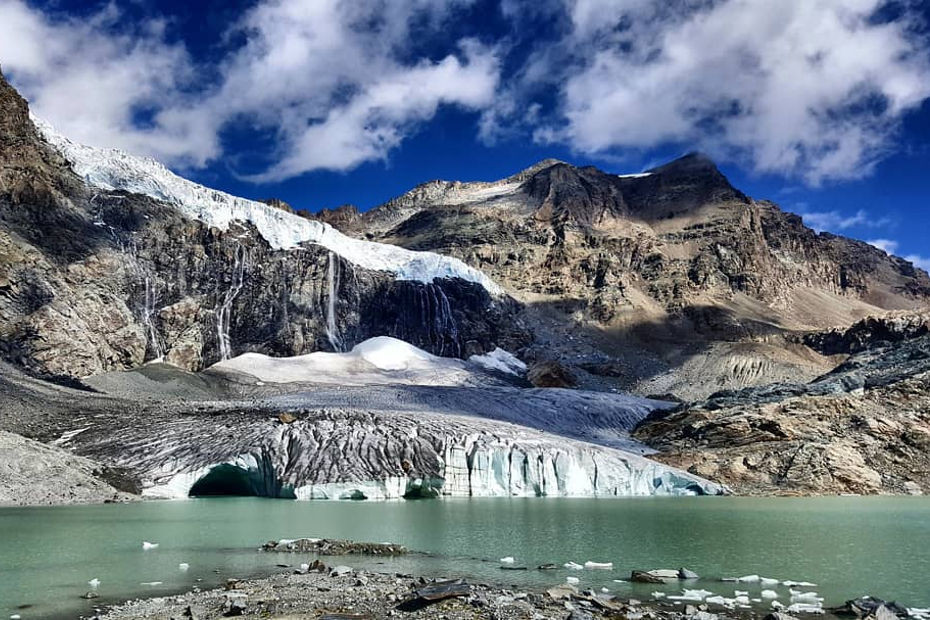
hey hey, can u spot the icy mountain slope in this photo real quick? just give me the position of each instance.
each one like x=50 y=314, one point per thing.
x=115 y=170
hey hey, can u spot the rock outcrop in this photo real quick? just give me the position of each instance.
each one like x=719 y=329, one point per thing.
x=863 y=428
x=32 y=473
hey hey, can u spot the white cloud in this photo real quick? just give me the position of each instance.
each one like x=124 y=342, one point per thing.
x=890 y=246
x=887 y=245
x=921 y=262
x=92 y=81
x=837 y=221
x=813 y=89
x=338 y=82
x=803 y=88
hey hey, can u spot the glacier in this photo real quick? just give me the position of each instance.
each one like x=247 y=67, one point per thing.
x=115 y=170
x=327 y=454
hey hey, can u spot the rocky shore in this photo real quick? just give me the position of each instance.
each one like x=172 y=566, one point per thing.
x=341 y=592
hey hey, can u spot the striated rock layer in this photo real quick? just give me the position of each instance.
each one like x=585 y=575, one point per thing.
x=862 y=428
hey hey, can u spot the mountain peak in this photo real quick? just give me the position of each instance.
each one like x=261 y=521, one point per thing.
x=694 y=162
x=539 y=166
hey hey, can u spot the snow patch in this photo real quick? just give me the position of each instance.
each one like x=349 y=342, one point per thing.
x=115 y=170
x=376 y=360
x=501 y=361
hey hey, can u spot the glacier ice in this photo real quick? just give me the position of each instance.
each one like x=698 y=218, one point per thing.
x=364 y=454
x=115 y=170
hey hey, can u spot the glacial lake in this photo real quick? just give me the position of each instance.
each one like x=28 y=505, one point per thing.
x=849 y=546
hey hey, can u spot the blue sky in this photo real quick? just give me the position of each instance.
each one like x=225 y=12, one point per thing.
x=820 y=105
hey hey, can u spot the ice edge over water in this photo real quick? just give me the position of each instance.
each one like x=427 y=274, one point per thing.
x=115 y=170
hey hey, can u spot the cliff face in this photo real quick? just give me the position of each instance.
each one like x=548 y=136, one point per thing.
x=94 y=277
x=862 y=428
x=633 y=279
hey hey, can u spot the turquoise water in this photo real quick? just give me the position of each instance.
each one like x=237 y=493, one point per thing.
x=849 y=546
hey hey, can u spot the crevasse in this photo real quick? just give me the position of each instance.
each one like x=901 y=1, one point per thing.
x=115 y=170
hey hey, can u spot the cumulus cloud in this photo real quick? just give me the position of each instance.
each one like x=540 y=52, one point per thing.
x=338 y=82
x=808 y=89
x=921 y=262
x=94 y=80
x=838 y=221
x=794 y=87
x=887 y=245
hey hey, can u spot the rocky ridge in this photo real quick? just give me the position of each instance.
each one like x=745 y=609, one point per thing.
x=862 y=428
x=665 y=281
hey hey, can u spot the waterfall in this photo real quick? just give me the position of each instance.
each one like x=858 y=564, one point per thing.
x=445 y=322
x=224 y=310
x=332 y=282
x=148 y=318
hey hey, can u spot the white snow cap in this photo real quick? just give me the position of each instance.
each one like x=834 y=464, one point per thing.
x=112 y=169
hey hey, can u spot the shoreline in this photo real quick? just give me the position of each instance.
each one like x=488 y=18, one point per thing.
x=339 y=592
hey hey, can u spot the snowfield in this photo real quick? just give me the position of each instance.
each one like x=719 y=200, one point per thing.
x=379 y=360
x=115 y=170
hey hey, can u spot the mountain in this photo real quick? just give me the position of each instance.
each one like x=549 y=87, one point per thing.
x=165 y=339
x=141 y=313
x=667 y=281
x=109 y=260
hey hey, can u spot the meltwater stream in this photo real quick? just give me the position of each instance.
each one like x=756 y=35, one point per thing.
x=848 y=546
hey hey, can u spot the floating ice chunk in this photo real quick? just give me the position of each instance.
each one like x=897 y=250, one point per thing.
x=756 y=600
x=720 y=600
x=146 y=545
x=657 y=595
x=777 y=605
x=94 y=583
x=749 y=579
x=151 y=583
x=508 y=560
x=605 y=590
x=740 y=593
x=808 y=608
x=599 y=565
x=805 y=597
x=573 y=566
x=742 y=600
x=15 y=617
x=768 y=581
x=691 y=595
x=799 y=584
x=183 y=566
x=572 y=579
x=769 y=594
